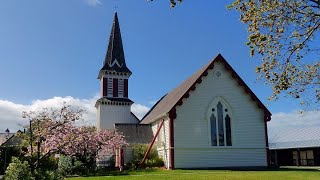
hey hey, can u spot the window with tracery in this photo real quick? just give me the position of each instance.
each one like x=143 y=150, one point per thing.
x=220 y=125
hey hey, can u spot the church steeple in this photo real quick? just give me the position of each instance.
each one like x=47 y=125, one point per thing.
x=115 y=60
x=114 y=104
x=114 y=74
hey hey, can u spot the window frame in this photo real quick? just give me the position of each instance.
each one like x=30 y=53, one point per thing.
x=225 y=105
x=121 y=88
x=110 y=87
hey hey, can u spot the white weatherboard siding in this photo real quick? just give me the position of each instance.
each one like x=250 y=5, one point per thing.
x=206 y=158
x=192 y=148
x=108 y=115
x=162 y=141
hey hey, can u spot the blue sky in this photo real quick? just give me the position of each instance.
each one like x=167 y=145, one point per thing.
x=51 y=50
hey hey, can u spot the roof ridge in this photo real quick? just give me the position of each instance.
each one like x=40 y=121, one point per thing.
x=174 y=97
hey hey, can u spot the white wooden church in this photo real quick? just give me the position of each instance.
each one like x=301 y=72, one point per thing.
x=211 y=120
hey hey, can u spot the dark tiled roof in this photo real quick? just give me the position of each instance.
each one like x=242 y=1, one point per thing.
x=136 y=133
x=168 y=103
x=12 y=140
x=114 y=99
x=115 y=60
x=4 y=137
x=155 y=105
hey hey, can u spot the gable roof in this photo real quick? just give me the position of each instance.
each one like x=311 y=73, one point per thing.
x=4 y=137
x=167 y=105
x=295 y=138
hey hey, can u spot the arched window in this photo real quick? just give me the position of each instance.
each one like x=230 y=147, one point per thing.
x=220 y=124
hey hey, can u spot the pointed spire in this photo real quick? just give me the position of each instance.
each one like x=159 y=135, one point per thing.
x=115 y=60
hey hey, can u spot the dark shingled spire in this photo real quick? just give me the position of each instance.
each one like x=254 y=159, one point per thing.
x=115 y=60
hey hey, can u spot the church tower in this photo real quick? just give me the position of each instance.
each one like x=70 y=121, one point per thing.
x=114 y=104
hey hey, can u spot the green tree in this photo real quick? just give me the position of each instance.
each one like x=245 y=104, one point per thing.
x=285 y=33
x=173 y=2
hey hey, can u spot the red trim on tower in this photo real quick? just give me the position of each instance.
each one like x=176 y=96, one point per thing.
x=125 y=88
x=105 y=86
x=115 y=87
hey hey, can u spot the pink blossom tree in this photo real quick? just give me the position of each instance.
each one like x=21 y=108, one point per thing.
x=55 y=131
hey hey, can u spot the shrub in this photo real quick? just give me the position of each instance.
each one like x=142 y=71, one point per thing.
x=18 y=170
x=79 y=168
x=154 y=162
x=138 y=152
x=65 y=165
x=41 y=174
x=6 y=153
x=47 y=169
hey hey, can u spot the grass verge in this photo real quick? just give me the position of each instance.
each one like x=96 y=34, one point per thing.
x=207 y=174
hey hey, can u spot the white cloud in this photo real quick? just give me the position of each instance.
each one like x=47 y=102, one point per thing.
x=294 y=120
x=152 y=103
x=10 y=112
x=93 y=3
x=139 y=110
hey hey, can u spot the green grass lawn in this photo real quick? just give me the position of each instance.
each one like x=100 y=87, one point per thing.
x=282 y=174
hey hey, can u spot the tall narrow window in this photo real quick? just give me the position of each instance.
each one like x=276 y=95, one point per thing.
x=110 y=87
x=115 y=87
x=220 y=125
x=120 y=87
x=213 y=123
x=228 y=130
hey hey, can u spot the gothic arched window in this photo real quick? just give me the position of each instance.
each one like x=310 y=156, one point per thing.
x=220 y=124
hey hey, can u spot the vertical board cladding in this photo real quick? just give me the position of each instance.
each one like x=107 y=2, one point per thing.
x=115 y=87
x=109 y=115
x=192 y=134
x=134 y=119
x=128 y=154
x=162 y=141
x=125 y=88
x=98 y=118
x=105 y=87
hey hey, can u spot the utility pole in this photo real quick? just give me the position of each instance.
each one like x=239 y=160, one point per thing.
x=5 y=151
x=31 y=148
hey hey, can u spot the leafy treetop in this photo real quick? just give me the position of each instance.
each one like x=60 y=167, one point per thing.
x=285 y=33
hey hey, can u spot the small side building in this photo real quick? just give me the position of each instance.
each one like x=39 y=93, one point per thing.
x=134 y=134
x=295 y=147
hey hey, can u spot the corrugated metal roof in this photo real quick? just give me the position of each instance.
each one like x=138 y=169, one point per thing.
x=294 y=138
